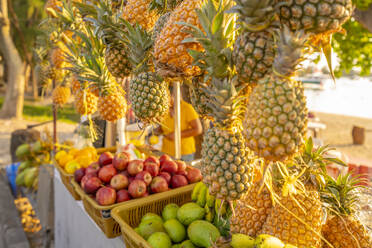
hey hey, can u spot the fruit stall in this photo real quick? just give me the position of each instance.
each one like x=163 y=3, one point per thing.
x=260 y=182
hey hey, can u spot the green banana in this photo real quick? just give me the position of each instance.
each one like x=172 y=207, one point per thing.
x=220 y=207
x=209 y=216
x=196 y=190
x=210 y=200
x=241 y=241
x=268 y=241
x=202 y=196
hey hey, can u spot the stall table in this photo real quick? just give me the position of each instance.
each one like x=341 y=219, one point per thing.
x=73 y=227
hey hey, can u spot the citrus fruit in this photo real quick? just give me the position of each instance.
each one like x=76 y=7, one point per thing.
x=60 y=154
x=65 y=159
x=154 y=139
x=84 y=161
x=73 y=152
x=72 y=166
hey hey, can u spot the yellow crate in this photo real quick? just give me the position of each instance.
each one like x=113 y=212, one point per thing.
x=66 y=180
x=129 y=215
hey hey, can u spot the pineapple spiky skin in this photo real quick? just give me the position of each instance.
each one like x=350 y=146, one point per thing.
x=283 y=225
x=251 y=211
x=253 y=56
x=159 y=25
x=117 y=62
x=137 y=11
x=227 y=163
x=276 y=119
x=171 y=55
x=57 y=57
x=75 y=85
x=149 y=97
x=346 y=232
x=86 y=102
x=199 y=99
x=112 y=105
x=315 y=16
x=60 y=95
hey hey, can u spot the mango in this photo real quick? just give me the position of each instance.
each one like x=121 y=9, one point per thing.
x=187 y=244
x=268 y=241
x=149 y=227
x=159 y=240
x=175 y=230
x=170 y=211
x=202 y=233
x=190 y=212
x=242 y=241
x=151 y=216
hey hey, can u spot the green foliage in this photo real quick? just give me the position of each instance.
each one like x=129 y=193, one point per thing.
x=353 y=49
x=362 y=4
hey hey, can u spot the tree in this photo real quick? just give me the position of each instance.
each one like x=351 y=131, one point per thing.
x=13 y=103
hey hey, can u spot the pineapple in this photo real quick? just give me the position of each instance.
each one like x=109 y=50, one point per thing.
x=85 y=102
x=254 y=48
x=148 y=92
x=57 y=57
x=198 y=97
x=60 y=95
x=171 y=54
x=164 y=6
x=137 y=11
x=315 y=16
x=343 y=229
x=112 y=105
x=252 y=211
x=75 y=85
x=226 y=162
x=117 y=61
x=159 y=25
x=276 y=117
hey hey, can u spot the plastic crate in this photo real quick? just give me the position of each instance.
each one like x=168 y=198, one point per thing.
x=129 y=215
x=102 y=214
x=66 y=180
x=11 y=174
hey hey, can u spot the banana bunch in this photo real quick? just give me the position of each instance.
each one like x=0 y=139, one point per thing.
x=262 y=241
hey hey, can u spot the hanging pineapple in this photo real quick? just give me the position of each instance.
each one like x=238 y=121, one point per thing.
x=171 y=54
x=343 y=229
x=226 y=162
x=276 y=116
x=254 y=48
x=85 y=102
x=57 y=58
x=148 y=92
x=199 y=98
x=138 y=12
x=60 y=95
x=75 y=84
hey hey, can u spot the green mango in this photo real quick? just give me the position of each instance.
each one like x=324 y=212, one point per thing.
x=202 y=233
x=24 y=165
x=242 y=241
x=190 y=212
x=31 y=174
x=268 y=241
x=20 y=178
x=23 y=151
x=37 y=147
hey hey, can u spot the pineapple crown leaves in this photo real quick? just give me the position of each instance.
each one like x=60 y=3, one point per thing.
x=163 y=6
x=291 y=50
x=339 y=194
x=217 y=38
x=255 y=15
x=139 y=43
x=69 y=16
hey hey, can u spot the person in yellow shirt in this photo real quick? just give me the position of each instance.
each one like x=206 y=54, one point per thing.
x=190 y=127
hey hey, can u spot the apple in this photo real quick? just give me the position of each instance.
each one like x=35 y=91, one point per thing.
x=146 y=194
x=105 y=158
x=137 y=188
x=135 y=167
x=183 y=173
x=121 y=160
x=152 y=159
x=92 y=169
x=106 y=173
x=169 y=166
x=106 y=196
x=178 y=181
x=166 y=176
x=181 y=166
x=152 y=168
x=79 y=174
x=125 y=173
x=122 y=196
x=119 y=182
x=85 y=179
x=159 y=184
x=144 y=176
x=163 y=158
x=91 y=185
x=131 y=179
x=194 y=175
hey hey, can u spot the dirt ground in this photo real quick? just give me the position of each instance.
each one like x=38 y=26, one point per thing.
x=65 y=131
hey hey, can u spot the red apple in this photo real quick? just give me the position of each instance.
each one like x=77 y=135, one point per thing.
x=169 y=166
x=106 y=173
x=144 y=176
x=125 y=173
x=92 y=169
x=122 y=196
x=183 y=173
x=135 y=167
x=130 y=179
x=181 y=166
x=85 y=179
x=137 y=188
x=106 y=196
x=91 y=185
x=119 y=182
x=146 y=194
x=166 y=176
x=79 y=174
x=105 y=158
x=152 y=159
x=121 y=160
x=178 y=181
x=163 y=158
x=159 y=184
x=152 y=167
x=194 y=175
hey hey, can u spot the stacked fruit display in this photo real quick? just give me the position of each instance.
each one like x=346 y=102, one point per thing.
x=32 y=156
x=74 y=159
x=118 y=178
